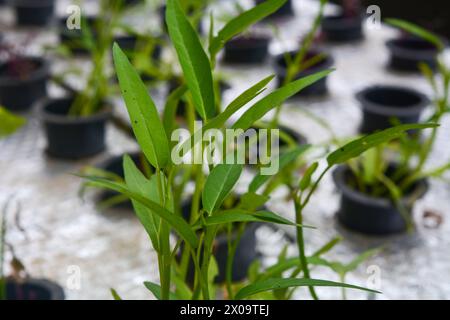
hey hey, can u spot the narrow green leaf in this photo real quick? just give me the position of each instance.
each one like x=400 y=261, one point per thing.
x=417 y=31
x=219 y=184
x=285 y=160
x=242 y=22
x=328 y=246
x=170 y=109
x=238 y=215
x=9 y=123
x=115 y=294
x=147 y=125
x=178 y=223
x=193 y=59
x=274 y=99
x=252 y=201
x=139 y=184
x=274 y=284
x=359 y=146
x=305 y=182
x=156 y=290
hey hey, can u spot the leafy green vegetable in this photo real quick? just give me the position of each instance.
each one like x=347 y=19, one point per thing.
x=193 y=59
x=272 y=100
x=147 y=125
x=219 y=184
x=357 y=147
x=274 y=284
x=156 y=290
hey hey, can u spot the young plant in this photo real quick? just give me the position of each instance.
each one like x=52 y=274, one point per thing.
x=157 y=198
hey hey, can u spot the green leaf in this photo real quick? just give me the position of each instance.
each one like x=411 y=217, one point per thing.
x=219 y=184
x=417 y=31
x=274 y=284
x=178 y=223
x=9 y=123
x=156 y=290
x=193 y=59
x=242 y=22
x=328 y=246
x=285 y=160
x=252 y=201
x=359 y=146
x=361 y=258
x=139 y=184
x=238 y=103
x=274 y=99
x=147 y=125
x=306 y=179
x=170 y=109
x=115 y=294
x=238 y=215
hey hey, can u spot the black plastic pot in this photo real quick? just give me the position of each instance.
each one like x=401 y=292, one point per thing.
x=33 y=12
x=115 y=165
x=245 y=255
x=72 y=137
x=33 y=289
x=369 y=215
x=19 y=94
x=341 y=28
x=73 y=38
x=382 y=104
x=286 y=10
x=406 y=54
x=318 y=88
x=251 y=49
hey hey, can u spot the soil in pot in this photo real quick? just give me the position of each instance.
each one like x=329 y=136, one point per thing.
x=320 y=87
x=286 y=10
x=381 y=105
x=33 y=289
x=33 y=12
x=114 y=165
x=23 y=81
x=373 y=215
x=247 y=49
x=341 y=28
x=245 y=255
x=70 y=137
x=407 y=53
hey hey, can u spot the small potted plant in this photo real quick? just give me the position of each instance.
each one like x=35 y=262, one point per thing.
x=345 y=26
x=157 y=200
x=384 y=105
x=23 y=79
x=20 y=286
x=33 y=12
x=409 y=51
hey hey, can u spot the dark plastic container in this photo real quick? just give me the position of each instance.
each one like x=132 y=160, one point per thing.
x=406 y=54
x=33 y=12
x=246 y=252
x=72 y=137
x=33 y=289
x=341 y=29
x=320 y=87
x=251 y=49
x=381 y=104
x=369 y=215
x=286 y=10
x=19 y=94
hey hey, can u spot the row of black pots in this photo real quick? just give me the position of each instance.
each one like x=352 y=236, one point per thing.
x=33 y=289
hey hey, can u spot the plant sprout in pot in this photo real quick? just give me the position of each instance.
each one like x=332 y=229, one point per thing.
x=411 y=50
x=23 y=79
x=346 y=25
x=75 y=125
x=19 y=285
x=157 y=199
